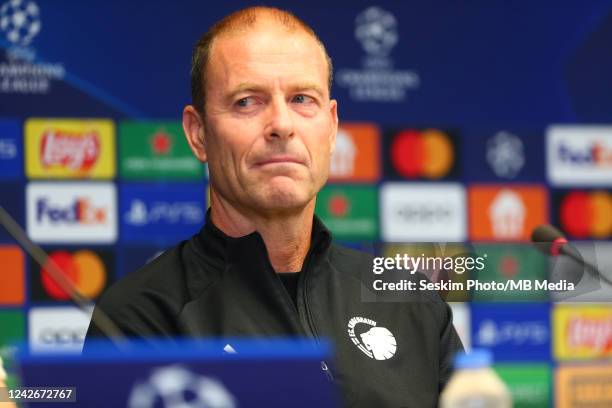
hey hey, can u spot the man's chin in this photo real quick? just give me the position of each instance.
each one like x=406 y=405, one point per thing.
x=283 y=199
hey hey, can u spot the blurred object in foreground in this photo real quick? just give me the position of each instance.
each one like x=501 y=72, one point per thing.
x=475 y=384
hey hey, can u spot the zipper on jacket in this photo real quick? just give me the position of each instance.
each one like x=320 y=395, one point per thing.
x=310 y=321
x=308 y=326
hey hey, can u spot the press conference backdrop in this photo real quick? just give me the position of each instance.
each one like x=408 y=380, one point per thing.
x=460 y=121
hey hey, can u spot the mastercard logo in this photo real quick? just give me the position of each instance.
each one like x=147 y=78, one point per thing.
x=83 y=268
x=422 y=153
x=587 y=214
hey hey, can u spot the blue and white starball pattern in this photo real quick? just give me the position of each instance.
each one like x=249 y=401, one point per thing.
x=376 y=30
x=20 y=21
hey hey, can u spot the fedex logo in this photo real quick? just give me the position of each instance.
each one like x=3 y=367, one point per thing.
x=596 y=154
x=579 y=155
x=71 y=212
x=82 y=211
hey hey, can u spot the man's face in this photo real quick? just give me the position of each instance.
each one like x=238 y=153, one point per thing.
x=270 y=126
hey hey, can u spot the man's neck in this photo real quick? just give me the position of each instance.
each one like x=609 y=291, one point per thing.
x=287 y=237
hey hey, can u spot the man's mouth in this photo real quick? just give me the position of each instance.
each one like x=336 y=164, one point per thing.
x=281 y=159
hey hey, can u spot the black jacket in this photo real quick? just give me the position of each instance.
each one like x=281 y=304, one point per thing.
x=215 y=285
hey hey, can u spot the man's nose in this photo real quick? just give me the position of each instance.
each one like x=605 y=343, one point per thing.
x=280 y=123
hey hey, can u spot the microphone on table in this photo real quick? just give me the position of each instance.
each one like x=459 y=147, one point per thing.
x=550 y=241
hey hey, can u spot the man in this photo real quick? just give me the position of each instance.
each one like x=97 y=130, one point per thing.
x=264 y=265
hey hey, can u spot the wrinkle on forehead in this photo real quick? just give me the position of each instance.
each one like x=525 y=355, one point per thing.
x=262 y=48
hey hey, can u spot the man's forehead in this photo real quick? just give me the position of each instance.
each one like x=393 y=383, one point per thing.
x=269 y=38
x=271 y=43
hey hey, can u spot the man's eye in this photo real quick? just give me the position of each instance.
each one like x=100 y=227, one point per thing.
x=302 y=99
x=244 y=102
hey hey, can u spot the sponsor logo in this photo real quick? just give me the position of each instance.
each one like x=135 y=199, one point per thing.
x=11 y=143
x=57 y=329
x=376 y=342
x=13 y=328
x=427 y=154
x=20 y=24
x=505 y=154
x=71 y=212
x=583 y=386
x=156 y=150
x=350 y=212
x=8 y=149
x=164 y=212
x=491 y=334
x=423 y=212
x=377 y=79
x=12 y=289
x=74 y=151
x=583 y=332
x=529 y=384
x=512 y=262
x=586 y=214
x=70 y=148
x=506 y=213
x=175 y=386
x=87 y=270
x=20 y=21
x=580 y=155
x=376 y=30
x=356 y=156
x=517 y=331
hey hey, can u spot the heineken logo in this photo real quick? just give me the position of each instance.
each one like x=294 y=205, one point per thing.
x=161 y=143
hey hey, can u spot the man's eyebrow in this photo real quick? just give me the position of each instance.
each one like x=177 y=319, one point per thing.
x=308 y=86
x=252 y=87
x=244 y=87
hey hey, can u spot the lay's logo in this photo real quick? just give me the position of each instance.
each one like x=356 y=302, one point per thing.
x=592 y=333
x=583 y=332
x=75 y=151
x=70 y=148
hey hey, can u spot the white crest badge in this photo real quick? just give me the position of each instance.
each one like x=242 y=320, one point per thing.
x=375 y=341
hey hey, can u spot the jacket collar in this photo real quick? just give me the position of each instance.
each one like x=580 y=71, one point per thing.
x=222 y=250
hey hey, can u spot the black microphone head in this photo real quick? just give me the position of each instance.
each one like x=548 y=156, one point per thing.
x=543 y=237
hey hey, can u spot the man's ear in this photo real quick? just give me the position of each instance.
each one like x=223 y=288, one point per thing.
x=333 y=106
x=193 y=126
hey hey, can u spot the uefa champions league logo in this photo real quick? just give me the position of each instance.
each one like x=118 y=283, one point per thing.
x=376 y=30
x=505 y=154
x=377 y=80
x=20 y=21
x=177 y=387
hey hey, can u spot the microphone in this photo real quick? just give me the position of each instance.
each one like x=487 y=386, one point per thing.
x=550 y=241
x=101 y=319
